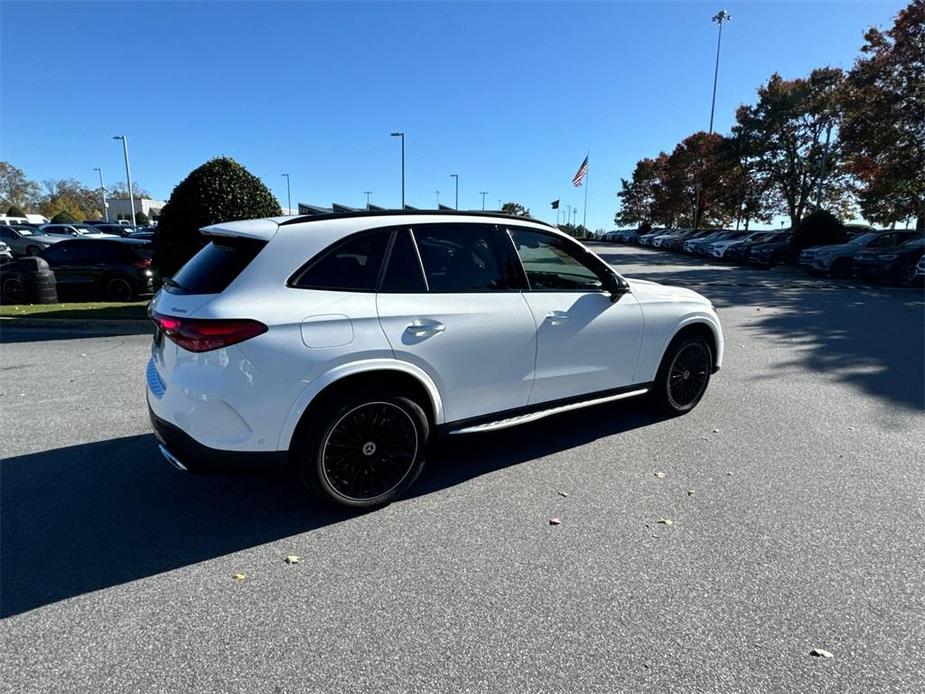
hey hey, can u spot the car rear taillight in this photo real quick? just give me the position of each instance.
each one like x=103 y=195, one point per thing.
x=143 y=263
x=203 y=335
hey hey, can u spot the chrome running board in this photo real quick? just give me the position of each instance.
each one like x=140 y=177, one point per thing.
x=171 y=458
x=533 y=416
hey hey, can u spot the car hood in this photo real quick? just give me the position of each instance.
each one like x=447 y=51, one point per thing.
x=653 y=292
x=834 y=248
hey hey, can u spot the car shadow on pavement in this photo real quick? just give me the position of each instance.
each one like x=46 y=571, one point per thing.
x=83 y=518
x=12 y=334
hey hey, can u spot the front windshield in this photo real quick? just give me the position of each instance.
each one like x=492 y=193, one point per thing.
x=912 y=243
x=862 y=239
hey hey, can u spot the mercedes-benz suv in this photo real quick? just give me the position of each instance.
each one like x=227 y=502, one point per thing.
x=342 y=343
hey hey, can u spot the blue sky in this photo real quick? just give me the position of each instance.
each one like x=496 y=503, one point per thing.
x=508 y=95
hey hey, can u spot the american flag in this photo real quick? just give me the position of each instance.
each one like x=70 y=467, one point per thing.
x=580 y=174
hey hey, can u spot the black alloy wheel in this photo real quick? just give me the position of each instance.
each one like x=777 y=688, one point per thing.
x=683 y=375
x=367 y=453
x=119 y=289
x=12 y=290
x=689 y=375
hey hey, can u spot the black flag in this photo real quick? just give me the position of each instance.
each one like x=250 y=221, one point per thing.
x=555 y=204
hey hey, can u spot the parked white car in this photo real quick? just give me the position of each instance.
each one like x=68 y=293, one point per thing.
x=60 y=232
x=342 y=343
x=718 y=248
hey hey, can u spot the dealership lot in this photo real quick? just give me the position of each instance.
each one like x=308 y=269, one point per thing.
x=794 y=492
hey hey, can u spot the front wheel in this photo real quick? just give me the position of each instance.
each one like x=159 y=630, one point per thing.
x=119 y=289
x=366 y=452
x=683 y=375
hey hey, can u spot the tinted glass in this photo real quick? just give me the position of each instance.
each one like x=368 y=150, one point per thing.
x=59 y=253
x=214 y=267
x=403 y=273
x=460 y=258
x=553 y=263
x=350 y=266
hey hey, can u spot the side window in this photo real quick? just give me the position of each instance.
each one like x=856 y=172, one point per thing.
x=553 y=263
x=882 y=241
x=460 y=258
x=59 y=253
x=352 y=265
x=403 y=272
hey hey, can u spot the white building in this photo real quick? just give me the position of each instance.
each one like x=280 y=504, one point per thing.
x=122 y=209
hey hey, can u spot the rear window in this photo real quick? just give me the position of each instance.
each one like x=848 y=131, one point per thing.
x=216 y=266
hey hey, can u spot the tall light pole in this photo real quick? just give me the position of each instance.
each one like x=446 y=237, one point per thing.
x=128 y=173
x=288 y=195
x=456 y=176
x=367 y=193
x=568 y=215
x=437 y=195
x=719 y=18
x=402 y=136
x=103 y=194
x=483 y=194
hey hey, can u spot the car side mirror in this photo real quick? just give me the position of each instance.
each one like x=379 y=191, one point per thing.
x=616 y=286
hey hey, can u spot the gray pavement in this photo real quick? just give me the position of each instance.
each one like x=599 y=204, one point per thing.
x=804 y=529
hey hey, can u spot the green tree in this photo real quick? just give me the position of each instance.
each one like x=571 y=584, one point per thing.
x=119 y=191
x=220 y=190
x=883 y=129
x=638 y=195
x=15 y=211
x=63 y=217
x=515 y=209
x=70 y=196
x=16 y=189
x=792 y=136
x=141 y=218
x=818 y=228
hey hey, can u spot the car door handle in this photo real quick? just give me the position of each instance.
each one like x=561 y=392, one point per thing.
x=557 y=317
x=424 y=326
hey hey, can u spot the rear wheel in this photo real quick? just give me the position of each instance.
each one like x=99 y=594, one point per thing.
x=683 y=375
x=12 y=290
x=119 y=289
x=32 y=250
x=841 y=267
x=365 y=451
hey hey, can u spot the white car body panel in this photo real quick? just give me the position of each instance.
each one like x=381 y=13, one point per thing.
x=474 y=354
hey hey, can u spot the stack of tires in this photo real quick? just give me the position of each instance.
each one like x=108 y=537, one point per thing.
x=28 y=281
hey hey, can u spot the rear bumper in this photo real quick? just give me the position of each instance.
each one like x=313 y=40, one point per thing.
x=185 y=453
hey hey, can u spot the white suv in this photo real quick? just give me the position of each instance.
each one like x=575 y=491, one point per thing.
x=342 y=343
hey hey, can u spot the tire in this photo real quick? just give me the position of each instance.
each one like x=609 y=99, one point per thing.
x=12 y=290
x=841 y=267
x=33 y=250
x=365 y=450
x=683 y=375
x=119 y=289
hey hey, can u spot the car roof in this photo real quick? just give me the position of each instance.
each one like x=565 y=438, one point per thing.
x=265 y=229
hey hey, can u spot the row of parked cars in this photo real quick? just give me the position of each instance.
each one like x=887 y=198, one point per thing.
x=893 y=256
x=17 y=240
x=111 y=261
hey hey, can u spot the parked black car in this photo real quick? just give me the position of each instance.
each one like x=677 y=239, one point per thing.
x=117 y=269
x=769 y=253
x=896 y=265
x=116 y=229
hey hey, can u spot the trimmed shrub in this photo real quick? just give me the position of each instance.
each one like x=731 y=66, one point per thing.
x=63 y=217
x=15 y=211
x=644 y=228
x=819 y=228
x=221 y=190
x=141 y=218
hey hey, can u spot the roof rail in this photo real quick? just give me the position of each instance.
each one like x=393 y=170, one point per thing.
x=326 y=216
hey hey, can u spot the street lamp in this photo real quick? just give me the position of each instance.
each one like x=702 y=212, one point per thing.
x=568 y=215
x=437 y=195
x=128 y=173
x=719 y=18
x=367 y=193
x=483 y=194
x=288 y=195
x=456 y=176
x=103 y=194
x=402 y=136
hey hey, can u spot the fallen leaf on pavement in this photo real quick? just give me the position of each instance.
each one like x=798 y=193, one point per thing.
x=666 y=521
x=293 y=559
x=659 y=474
x=554 y=521
x=821 y=653
x=690 y=492
x=239 y=577
x=563 y=493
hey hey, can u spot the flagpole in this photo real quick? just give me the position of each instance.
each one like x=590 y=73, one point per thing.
x=584 y=221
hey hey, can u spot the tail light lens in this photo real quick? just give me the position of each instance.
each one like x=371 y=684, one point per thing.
x=203 y=335
x=143 y=263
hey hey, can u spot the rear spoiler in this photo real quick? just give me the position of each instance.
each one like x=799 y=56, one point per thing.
x=260 y=229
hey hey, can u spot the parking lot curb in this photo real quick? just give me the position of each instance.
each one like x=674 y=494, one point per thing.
x=88 y=324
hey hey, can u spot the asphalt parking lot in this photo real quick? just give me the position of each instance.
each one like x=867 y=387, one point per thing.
x=795 y=492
